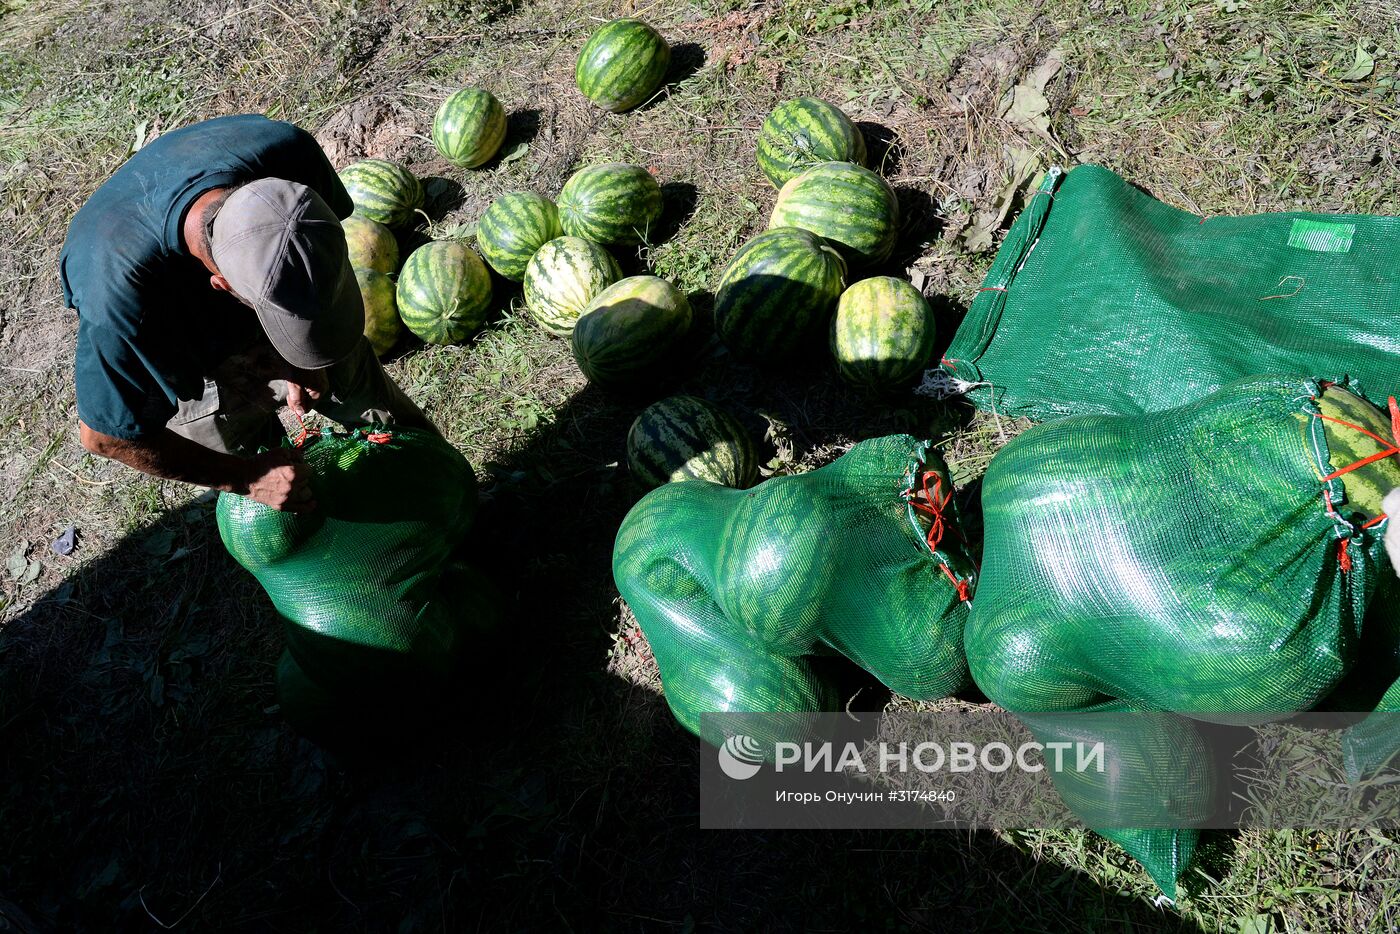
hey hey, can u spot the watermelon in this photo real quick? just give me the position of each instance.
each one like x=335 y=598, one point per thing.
x=1366 y=486
x=777 y=294
x=622 y=64
x=804 y=132
x=628 y=332
x=469 y=127
x=851 y=206
x=561 y=279
x=383 y=191
x=685 y=438
x=382 y=323
x=512 y=228
x=444 y=292
x=883 y=333
x=613 y=203
x=371 y=245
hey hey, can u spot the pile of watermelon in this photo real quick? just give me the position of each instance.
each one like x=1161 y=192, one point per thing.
x=783 y=294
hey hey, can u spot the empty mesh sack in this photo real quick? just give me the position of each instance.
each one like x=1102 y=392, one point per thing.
x=376 y=611
x=1214 y=560
x=736 y=590
x=1103 y=299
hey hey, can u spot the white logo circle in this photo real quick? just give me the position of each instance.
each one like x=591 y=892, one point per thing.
x=740 y=757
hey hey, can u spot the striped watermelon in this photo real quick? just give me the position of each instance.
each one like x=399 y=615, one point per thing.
x=613 y=203
x=685 y=438
x=1366 y=486
x=804 y=132
x=622 y=64
x=383 y=191
x=371 y=245
x=444 y=292
x=561 y=279
x=512 y=228
x=777 y=294
x=382 y=323
x=851 y=206
x=629 y=331
x=883 y=333
x=469 y=127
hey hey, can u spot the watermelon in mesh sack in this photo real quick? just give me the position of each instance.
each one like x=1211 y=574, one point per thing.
x=736 y=590
x=377 y=614
x=1214 y=560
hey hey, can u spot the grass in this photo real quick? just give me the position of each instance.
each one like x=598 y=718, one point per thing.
x=148 y=776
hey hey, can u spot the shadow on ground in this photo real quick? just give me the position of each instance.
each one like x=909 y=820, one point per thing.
x=149 y=778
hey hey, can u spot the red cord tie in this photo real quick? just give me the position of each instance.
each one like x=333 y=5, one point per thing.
x=931 y=504
x=379 y=437
x=1390 y=447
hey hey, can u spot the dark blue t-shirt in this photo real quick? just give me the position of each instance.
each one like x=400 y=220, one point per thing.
x=150 y=326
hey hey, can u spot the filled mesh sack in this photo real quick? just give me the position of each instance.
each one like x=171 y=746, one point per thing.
x=1215 y=560
x=377 y=612
x=737 y=590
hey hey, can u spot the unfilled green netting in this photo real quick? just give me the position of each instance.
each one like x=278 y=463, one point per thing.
x=1201 y=561
x=1105 y=300
x=376 y=611
x=736 y=590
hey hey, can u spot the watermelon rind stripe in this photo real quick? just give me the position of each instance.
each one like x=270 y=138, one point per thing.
x=444 y=292
x=685 y=438
x=469 y=127
x=513 y=228
x=383 y=191
x=561 y=279
x=622 y=64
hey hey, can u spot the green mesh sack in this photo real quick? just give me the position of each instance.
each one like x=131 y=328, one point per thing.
x=1210 y=560
x=736 y=590
x=376 y=613
x=1104 y=300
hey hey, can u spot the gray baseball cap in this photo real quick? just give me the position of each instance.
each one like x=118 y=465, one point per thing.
x=282 y=250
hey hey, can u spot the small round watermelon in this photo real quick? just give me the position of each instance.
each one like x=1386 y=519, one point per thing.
x=882 y=334
x=630 y=330
x=370 y=244
x=622 y=64
x=804 y=132
x=685 y=438
x=469 y=127
x=512 y=228
x=842 y=202
x=382 y=323
x=613 y=203
x=561 y=279
x=777 y=294
x=444 y=292
x=383 y=191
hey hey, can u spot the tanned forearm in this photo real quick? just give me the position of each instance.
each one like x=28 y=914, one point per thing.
x=172 y=457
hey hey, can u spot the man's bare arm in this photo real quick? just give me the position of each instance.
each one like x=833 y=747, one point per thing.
x=276 y=478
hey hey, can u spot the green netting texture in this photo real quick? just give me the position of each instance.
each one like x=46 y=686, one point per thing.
x=1197 y=561
x=1104 y=300
x=736 y=589
x=371 y=601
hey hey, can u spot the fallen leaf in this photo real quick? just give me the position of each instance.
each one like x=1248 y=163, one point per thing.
x=31 y=573
x=17 y=563
x=517 y=151
x=1361 y=67
x=979 y=234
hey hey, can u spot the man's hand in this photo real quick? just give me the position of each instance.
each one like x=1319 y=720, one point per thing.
x=280 y=479
x=304 y=390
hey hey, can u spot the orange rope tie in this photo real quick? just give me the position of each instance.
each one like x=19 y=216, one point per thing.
x=932 y=506
x=992 y=288
x=1392 y=447
x=379 y=437
x=301 y=437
